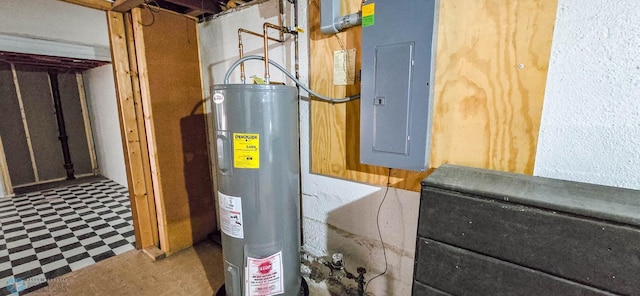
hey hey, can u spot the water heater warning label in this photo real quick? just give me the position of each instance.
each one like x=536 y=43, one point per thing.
x=264 y=276
x=231 y=215
x=246 y=151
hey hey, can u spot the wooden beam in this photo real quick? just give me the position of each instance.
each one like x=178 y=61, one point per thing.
x=135 y=83
x=23 y=115
x=87 y=124
x=126 y=5
x=143 y=76
x=4 y=173
x=142 y=202
x=194 y=12
x=205 y=6
x=95 y=4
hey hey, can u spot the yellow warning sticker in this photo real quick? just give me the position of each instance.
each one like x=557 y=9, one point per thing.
x=369 y=9
x=246 y=151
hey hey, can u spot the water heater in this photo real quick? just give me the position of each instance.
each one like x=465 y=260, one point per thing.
x=256 y=139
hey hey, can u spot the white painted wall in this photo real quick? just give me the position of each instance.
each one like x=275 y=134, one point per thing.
x=54 y=20
x=38 y=21
x=590 y=130
x=338 y=215
x=103 y=111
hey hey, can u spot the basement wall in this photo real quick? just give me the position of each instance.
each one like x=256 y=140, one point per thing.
x=105 y=124
x=590 y=129
x=72 y=24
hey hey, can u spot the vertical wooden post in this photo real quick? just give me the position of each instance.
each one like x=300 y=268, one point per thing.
x=5 y=178
x=25 y=125
x=145 y=97
x=64 y=139
x=87 y=124
x=133 y=133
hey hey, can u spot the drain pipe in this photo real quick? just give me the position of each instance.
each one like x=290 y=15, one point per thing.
x=330 y=20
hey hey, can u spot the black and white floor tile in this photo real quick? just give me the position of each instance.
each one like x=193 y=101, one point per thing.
x=48 y=233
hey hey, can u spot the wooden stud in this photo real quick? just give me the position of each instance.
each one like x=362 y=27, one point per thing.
x=24 y=123
x=95 y=4
x=206 y=6
x=87 y=124
x=143 y=207
x=50 y=180
x=4 y=172
x=126 y=5
x=140 y=123
x=143 y=76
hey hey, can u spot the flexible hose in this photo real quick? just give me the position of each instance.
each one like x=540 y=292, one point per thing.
x=313 y=93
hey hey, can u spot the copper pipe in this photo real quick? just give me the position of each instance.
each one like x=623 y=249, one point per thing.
x=256 y=34
x=265 y=36
x=265 y=28
x=241 y=49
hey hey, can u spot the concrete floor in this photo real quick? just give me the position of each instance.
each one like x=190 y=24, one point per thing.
x=194 y=271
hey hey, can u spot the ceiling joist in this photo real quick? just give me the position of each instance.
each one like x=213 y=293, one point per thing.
x=126 y=5
x=95 y=4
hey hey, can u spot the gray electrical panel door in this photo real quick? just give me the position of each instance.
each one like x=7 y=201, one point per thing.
x=398 y=58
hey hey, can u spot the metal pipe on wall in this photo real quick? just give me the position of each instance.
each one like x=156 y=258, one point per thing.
x=57 y=103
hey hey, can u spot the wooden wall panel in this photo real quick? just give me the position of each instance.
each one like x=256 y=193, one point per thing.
x=487 y=108
x=491 y=74
x=169 y=65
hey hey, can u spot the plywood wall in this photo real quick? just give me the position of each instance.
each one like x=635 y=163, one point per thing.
x=491 y=67
x=169 y=64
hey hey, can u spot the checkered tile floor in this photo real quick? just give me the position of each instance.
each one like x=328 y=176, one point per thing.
x=48 y=233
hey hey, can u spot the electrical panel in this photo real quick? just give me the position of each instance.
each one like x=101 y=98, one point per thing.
x=398 y=66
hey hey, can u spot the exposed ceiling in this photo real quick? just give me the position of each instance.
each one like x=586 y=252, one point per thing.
x=201 y=9
x=49 y=62
x=196 y=8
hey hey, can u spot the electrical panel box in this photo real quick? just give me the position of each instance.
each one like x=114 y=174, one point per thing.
x=398 y=63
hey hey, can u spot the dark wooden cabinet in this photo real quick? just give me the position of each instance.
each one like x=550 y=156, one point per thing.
x=483 y=232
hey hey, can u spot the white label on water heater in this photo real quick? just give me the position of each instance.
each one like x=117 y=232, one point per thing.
x=263 y=277
x=231 y=215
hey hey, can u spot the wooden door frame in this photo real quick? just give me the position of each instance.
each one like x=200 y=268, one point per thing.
x=132 y=129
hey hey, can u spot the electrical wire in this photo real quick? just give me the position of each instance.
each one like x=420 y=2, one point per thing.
x=281 y=68
x=384 y=250
x=153 y=11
